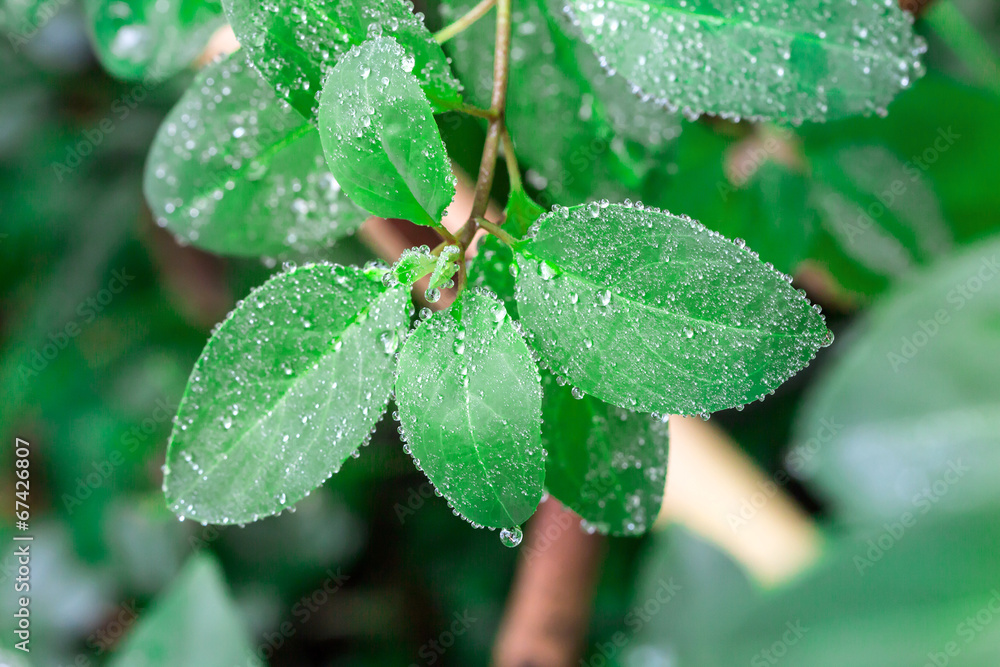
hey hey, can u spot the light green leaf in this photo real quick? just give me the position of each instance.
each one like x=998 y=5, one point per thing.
x=607 y=464
x=380 y=138
x=194 y=623
x=469 y=399
x=295 y=44
x=235 y=170
x=413 y=264
x=913 y=402
x=445 y=267
x=653 y=312
x=802 y=60
x=151 y=40
x=287 y=389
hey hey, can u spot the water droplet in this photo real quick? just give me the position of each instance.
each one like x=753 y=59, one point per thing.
x=511 y=537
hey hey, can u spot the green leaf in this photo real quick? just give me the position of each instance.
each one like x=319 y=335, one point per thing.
x=413 y=264
x=653 y=312
x=913 y=393
x=469 y=400
x=235 y=170
x=882 y=212
x=445 y=267
x=151 y=40
x=194 y=623
x=803 y=60
x=294 y=45
x=521 y=213
x=288 y=388
x=380 y=138
x=491 y=268
x=607 y=464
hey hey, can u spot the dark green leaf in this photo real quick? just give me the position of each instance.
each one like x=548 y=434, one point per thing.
x=491 y=268
x=653 y=312
x=151 y=39
x=236 y=171
x=193 y=623
x=915 y=393
x=469 y=399
x=286 y=390
x=380 y=138
x=295 y=44
x=607 y=464
x=520 y=213
x=803 y=60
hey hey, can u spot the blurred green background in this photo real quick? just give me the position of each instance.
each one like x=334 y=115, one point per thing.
x=103 y=315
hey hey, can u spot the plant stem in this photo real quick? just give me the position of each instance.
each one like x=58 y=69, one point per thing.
x=477 y=112
x=498 y=106
x=496 y=231
x=474 y=14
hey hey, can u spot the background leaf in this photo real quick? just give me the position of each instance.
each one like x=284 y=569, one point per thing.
x=151 y=40
x=294 y=45
x=380 y=138
x=470 y=406
x=914 y=392
x=653 y=312
x=193 y=623
x=286 y=390
x=804 y=60
x=607 y=464
x=237 y=171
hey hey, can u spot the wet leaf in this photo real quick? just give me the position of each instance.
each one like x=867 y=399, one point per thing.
x=582 y=152
x=294 y=45
x=469 y=399
x=194 y=623
x=607 y=464
x=288 y=388
x=380 y=138
x=803 y=60
x=237 y=171
x=413 y=264
x=151 y=39
x=653 y=312
x=445 y=267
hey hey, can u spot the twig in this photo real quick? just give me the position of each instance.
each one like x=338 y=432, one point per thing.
x=473 y=15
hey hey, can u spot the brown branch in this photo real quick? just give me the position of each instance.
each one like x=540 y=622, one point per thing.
x=549 y=608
